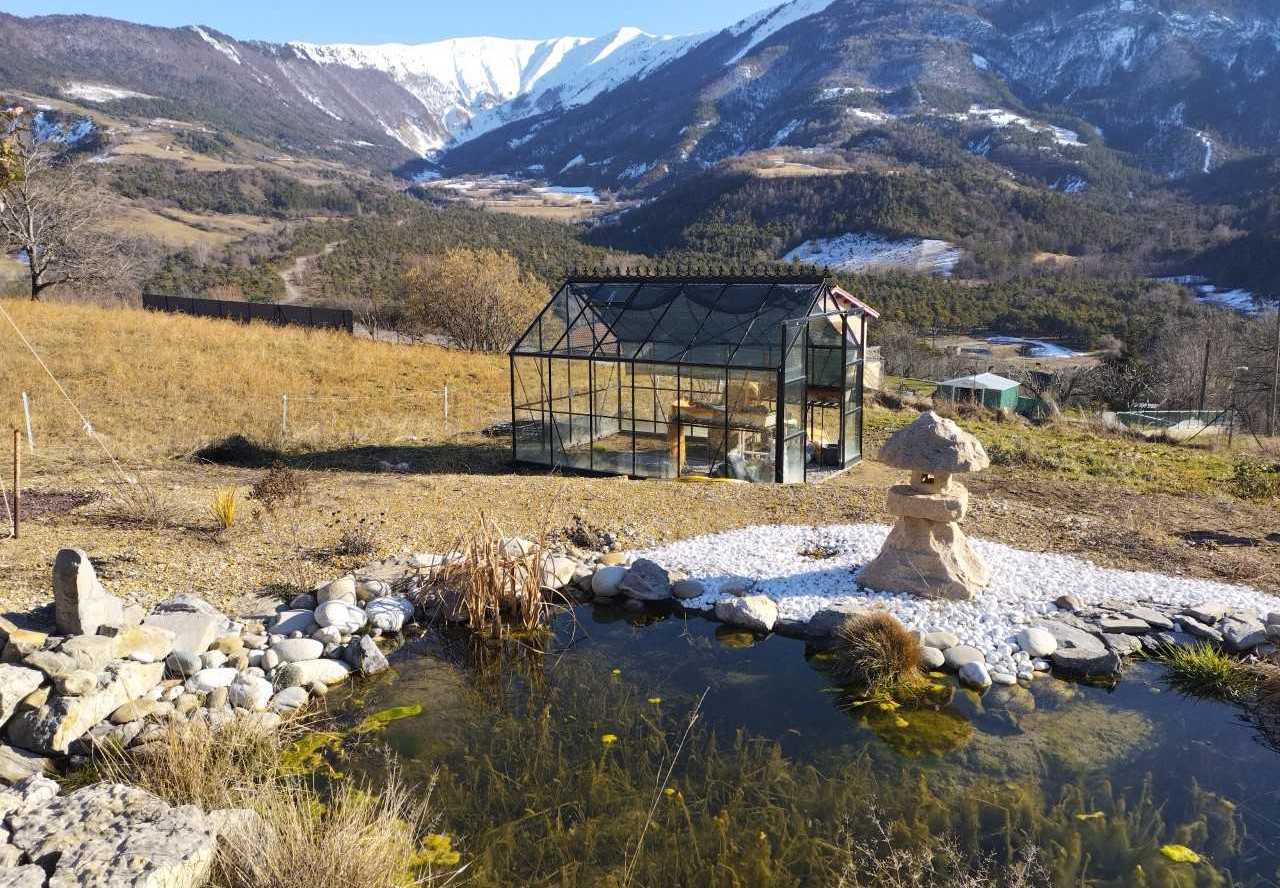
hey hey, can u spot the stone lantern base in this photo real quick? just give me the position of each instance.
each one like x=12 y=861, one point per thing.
x=931 y=559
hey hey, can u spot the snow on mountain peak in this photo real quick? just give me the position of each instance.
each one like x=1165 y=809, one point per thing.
x=471 y=83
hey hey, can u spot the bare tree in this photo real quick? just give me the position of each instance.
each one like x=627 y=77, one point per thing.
x=53 y=214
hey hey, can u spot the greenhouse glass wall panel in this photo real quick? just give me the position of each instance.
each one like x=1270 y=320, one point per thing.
x=749 y=378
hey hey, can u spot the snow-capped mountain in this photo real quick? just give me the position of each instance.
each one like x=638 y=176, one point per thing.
x=1181 y=86
x=472 y=85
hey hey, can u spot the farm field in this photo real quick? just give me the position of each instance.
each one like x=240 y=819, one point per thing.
x=365 y=429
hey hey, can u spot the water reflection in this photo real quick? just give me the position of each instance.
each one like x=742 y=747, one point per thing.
x=1101 y=780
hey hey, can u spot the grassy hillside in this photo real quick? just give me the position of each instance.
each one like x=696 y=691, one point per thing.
x=157 y=385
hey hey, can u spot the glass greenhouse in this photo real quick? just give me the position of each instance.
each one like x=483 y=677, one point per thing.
x=752 y=378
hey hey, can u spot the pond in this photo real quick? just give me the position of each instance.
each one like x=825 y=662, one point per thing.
x=549 y=768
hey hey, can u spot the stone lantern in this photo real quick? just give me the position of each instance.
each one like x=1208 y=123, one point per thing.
x=926 y=553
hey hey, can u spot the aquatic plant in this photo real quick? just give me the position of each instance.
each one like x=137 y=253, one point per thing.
x=875 y=650
x=1203 y=670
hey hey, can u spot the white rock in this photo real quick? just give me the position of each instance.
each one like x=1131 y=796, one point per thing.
x=341 y=589
x=340 y=615
x=757 y=612
x=975 y=675
x=293 y=649
x=1036 y=642
x=208 y=680
x=305 y=672
x=289 y=699
x=250 y=692
x=389 y=613
x=605 y=582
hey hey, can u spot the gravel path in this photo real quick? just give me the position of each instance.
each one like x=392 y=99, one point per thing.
x=1023 y=588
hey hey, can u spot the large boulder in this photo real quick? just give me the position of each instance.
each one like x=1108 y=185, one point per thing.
x=63 y=719
x=81 y=606
x=193 y=632
x=755 y=612
x=363 y=654
x=646 y=581
x=109 y=835
x=19 y=764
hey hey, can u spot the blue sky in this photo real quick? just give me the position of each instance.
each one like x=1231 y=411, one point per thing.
x=402 y=21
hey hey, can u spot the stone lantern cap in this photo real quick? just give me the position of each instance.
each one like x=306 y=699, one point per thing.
x=936 y=445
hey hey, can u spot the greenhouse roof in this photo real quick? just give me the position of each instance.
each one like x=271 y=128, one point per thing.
x=981 y=381
x=729 y=321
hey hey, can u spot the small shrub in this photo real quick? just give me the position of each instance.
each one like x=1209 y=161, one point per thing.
x=1254 y=479
x=1204 y=671
x=223 y=507
x=141 y=504
x=357 y=537
x=279 y=485
x=877 y=651
x=374 y=837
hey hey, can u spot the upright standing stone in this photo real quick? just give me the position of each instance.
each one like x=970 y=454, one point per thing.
x=927 y=553
x=81 y=606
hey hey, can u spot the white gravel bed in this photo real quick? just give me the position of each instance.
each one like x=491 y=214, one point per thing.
x=1023 y=586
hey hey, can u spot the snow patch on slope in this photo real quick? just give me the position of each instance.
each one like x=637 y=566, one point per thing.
x=45 y=129
x=225 y=48
x=100 y=92
x=764 y=25
x=861 y=251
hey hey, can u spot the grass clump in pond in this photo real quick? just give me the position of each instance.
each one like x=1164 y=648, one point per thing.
x=290 y=830
x=876 y=651
x=1203 y=670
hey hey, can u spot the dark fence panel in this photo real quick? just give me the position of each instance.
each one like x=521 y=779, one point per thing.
x=247 y=312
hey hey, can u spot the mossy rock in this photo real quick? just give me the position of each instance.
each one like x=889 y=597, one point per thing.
x=737 y=639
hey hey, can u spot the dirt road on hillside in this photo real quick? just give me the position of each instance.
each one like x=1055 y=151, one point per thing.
x=294 y=290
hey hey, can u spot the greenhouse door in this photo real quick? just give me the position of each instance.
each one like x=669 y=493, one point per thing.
x=793 y=390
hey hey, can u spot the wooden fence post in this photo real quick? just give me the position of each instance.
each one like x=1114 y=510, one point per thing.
x=284 y=417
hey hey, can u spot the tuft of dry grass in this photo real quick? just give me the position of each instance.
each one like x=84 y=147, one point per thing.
x=194 y=764
x=489 y=585
x=140 y=504
x=293 y=835
x=877 y=651
x=371 y=837
x=223 y=507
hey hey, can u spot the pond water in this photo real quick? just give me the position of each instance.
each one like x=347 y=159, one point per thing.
x=549 y=767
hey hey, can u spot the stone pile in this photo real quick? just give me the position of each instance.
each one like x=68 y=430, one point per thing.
x=103 y=836
x=63 y=693
x=926 y=553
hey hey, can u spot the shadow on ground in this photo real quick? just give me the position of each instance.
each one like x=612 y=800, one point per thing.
x=486 y=456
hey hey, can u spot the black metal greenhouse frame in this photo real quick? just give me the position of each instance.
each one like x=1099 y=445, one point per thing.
x=824 y=291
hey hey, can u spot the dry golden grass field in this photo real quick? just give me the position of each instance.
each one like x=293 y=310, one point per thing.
x=366 y=434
